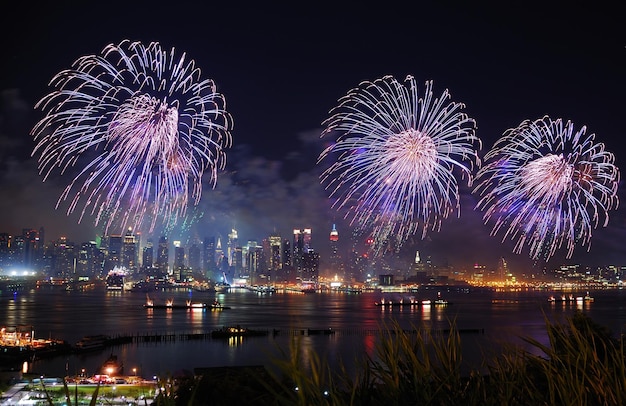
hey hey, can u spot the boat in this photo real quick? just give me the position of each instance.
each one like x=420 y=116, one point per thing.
x=18 y=344
x=403 y=303
x=92 y=343
x=571 y=299
x=169 y=304
x=115 y=280
x=237 y=331
x=143 y=286
x=221 y=287
x=440 y=301
x=216 y=305
x=112 y=367
x=262 y=288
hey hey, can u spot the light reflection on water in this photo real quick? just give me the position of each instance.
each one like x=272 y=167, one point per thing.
x=504 y=317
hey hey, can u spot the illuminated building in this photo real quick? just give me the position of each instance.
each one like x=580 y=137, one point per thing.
x=301 y=245
x=5 y=245
x=233 y=239
x=87 y=260
x=129 y=254
x=162 y=260
x=334 y=260
x=310 y=266
x=179 y=260
x=209 y=259
x=287 y=269
x=115 y=251
x=194 y=258
x=275 y=254
x=147 y=257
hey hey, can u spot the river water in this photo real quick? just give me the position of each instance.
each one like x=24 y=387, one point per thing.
x=69 y=315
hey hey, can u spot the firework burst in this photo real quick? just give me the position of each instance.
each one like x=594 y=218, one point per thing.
x=395 y=157
x=545 y=185
x=136 y=128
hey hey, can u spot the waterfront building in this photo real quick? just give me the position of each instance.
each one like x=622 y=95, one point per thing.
x=310 y=266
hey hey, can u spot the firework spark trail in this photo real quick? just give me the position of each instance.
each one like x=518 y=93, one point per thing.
x=140 y=126
x=544 y=185
x=394 y=158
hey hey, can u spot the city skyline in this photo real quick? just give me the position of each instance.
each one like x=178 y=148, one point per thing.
x=506 y=65
x=231 y=256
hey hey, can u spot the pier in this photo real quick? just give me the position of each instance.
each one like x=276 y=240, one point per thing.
x=207 y=335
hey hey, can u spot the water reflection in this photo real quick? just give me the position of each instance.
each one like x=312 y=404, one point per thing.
x=357 y=321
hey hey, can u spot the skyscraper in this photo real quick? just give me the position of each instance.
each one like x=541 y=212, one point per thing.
x=287 y=269
x=163 y=256
x=503 y=272
x=179 y=260
x=31 y=247
x=5 y=253
x=301 y=245
x=209 y=258
x=195 y=259
x=87 y=259
x=334 y=260
x=310 y=266
x=275 y=254
x=115 y=252
x=147 y=259
x=233 y=240
x=129 y=257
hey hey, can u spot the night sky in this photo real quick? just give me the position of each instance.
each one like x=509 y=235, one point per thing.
x=283 y=66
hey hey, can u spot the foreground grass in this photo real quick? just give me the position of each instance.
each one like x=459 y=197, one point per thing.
x=581 y=365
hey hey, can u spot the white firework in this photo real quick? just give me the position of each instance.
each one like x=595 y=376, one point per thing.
x=396 y=158
x=138 y=127
x=545 y=185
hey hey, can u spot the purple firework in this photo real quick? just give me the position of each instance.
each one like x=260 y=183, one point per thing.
x=394 y=158
x=545 y=185
x=136 y=128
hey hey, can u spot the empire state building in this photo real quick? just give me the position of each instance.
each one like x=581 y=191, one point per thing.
x=334 y=260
